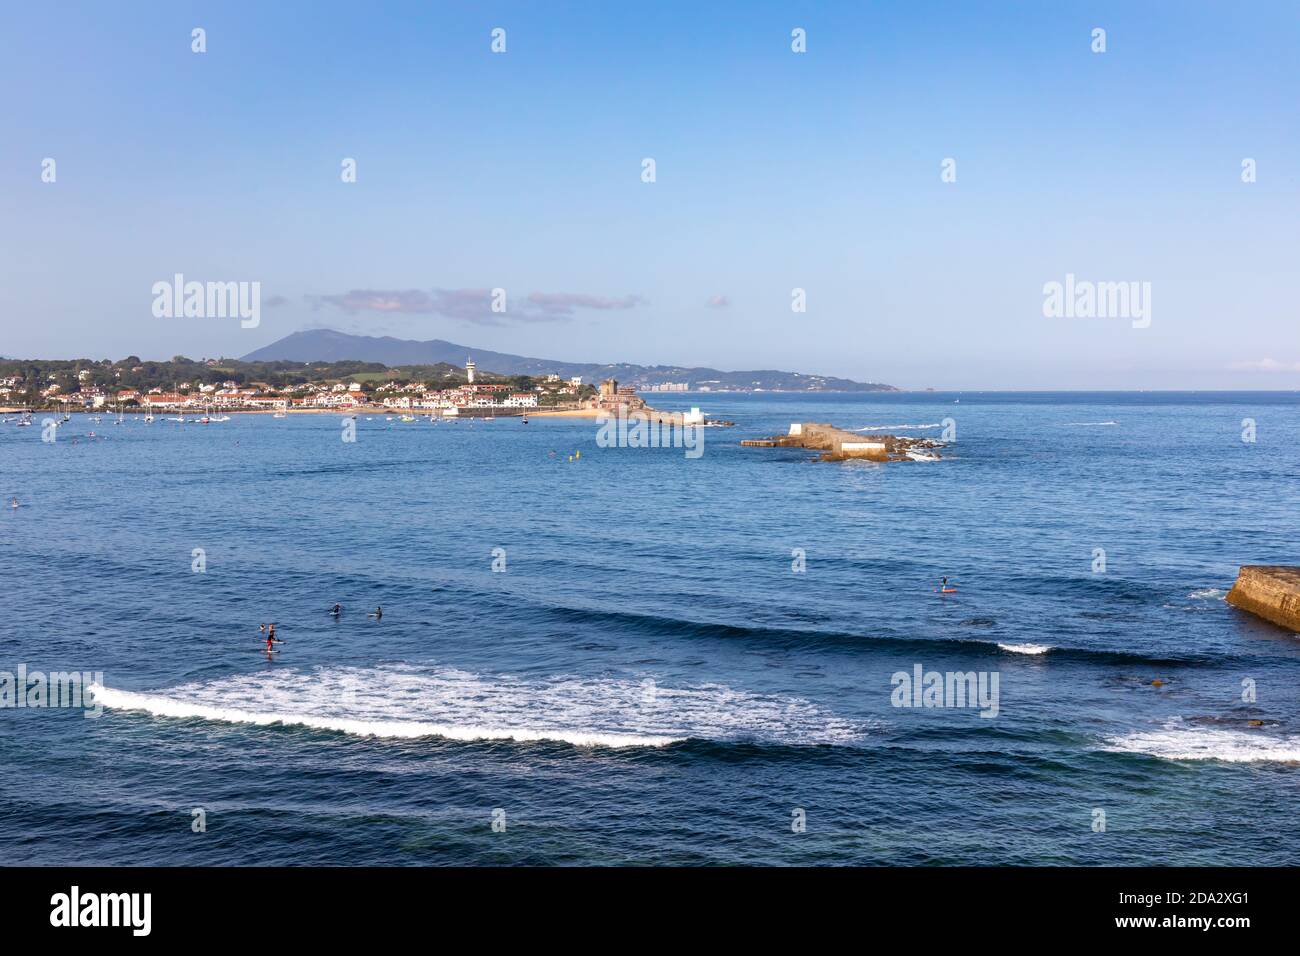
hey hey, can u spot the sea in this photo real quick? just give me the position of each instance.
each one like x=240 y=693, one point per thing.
x=594 y=655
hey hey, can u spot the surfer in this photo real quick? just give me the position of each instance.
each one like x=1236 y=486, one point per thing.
x=14 y=503
x=378 y=614
x=336 y=610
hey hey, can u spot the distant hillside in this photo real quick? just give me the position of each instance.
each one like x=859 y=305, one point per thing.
x=326 y=345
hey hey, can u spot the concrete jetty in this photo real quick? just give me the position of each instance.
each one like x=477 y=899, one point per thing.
x=838 y=444
x=1271 y=591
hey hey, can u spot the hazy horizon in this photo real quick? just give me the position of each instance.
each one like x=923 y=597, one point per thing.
x=775 y=170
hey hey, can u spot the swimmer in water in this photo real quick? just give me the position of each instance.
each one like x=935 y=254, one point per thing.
x=336 y=610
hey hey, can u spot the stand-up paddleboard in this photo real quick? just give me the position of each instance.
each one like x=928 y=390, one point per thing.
x=945 y=590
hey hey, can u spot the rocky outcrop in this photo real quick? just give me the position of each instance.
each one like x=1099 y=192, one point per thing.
x=837 y=444
x=1270 y=591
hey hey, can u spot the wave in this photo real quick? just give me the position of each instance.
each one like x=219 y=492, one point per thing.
x=897 y=428
x=1026 y=648
x=161 y=706
x=1209 y=594
x=410 y=701
x=1094 y=423
x=1177 y=742
x=653 y=625
x=921 y=456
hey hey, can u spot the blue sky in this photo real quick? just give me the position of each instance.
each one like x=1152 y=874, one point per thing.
x=775 y=171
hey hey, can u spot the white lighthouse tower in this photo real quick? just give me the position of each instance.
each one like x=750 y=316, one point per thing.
x=469 y=370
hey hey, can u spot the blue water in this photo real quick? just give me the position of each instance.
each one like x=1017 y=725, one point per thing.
x=657 y=685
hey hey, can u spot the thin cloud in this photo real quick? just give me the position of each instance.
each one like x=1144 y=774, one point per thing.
x=373 y=300
x=1265 y=365
x=566 y=303
x=471 y=305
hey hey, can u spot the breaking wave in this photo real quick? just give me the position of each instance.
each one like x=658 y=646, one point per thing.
x=406 y=701
x=1176 y=741
x=1026 y=648
x=897 y=428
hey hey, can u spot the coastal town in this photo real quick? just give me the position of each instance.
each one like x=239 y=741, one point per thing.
x=184 y=386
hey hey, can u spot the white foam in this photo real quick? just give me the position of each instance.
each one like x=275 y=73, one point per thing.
x=897 y=428
x=1026 y=648
x=1209 y=594
x=407 y=701
x=921 y=456
x=1178 y=742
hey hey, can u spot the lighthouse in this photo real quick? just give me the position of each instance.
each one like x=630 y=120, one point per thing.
x=469 y=370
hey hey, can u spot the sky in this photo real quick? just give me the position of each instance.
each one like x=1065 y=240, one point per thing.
x=774 y=170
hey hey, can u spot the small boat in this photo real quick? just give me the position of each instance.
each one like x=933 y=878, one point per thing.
x=278 y=415
x=148 y=419
x=408 y=418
